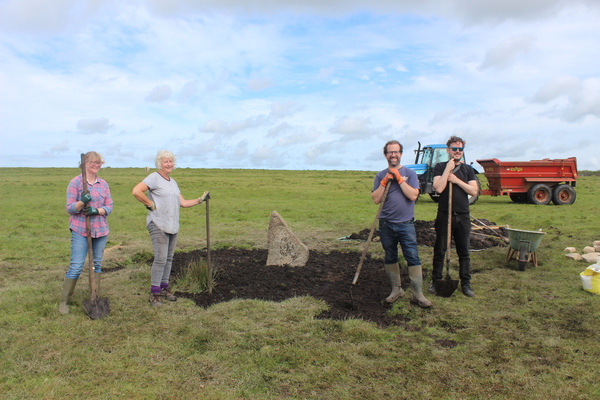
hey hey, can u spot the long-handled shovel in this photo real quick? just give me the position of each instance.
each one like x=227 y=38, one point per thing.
x=208 y=266
x=445 y=287
x=95 y=307
x=364 y=254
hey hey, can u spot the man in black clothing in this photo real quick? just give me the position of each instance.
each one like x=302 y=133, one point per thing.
x=464 y=183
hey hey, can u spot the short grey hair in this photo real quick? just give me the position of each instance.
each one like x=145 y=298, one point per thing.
x=161 y=155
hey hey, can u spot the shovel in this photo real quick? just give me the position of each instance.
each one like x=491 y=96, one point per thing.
x=95 y=307
x=208 y=266
x=445 y=287
x=364 y=254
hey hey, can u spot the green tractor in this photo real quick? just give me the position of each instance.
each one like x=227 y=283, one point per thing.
x=425 y=159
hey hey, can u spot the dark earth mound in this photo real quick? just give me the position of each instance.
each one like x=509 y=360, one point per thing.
x=243 y=274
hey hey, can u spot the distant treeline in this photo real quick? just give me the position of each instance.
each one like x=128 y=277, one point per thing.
x=589 y=173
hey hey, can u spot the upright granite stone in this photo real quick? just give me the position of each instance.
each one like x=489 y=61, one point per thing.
x=284 y=247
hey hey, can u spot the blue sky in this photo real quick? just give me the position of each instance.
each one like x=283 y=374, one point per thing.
x=296 y=84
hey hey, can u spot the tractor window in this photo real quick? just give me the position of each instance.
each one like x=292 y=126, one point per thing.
x=440 y=155
x=427 y=153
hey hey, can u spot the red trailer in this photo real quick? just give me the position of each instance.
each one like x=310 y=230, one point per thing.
x=536 y=182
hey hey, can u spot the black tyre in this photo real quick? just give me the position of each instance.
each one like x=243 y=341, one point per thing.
x=522 y=265
x=518 y=197
x=563 y=194
x=473 y=199
x=539 y=194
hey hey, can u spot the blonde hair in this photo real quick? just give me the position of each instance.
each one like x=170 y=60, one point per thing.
x=162 y=154
x=91 y=156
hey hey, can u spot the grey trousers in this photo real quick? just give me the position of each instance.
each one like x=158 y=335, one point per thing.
x=164 y=248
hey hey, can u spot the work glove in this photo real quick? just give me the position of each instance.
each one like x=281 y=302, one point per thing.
x=86 y=198
x=91 y=211
x=397 y=177
x=386 y=179
x=151 y=207
x=205 y=196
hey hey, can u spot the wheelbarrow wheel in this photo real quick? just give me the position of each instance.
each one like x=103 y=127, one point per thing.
x=523 y=255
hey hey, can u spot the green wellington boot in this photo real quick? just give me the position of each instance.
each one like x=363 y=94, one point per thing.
x=416 y=278
x=65 y=295
x=393 y=272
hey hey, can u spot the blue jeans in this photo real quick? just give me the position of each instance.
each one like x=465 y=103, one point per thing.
x=404 y=234
x=79 y=250
x=164 y=248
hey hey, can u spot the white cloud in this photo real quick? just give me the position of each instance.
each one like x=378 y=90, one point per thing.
x=218 y=126
x=353 y=128
x=280 y=109
x=60 y=147
x=260 y=83
x=93 y=125
x=580 y=99
x=298 y=84
x=159 y=94
x=503 y=54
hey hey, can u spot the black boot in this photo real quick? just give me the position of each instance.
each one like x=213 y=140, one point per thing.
x=466 y=289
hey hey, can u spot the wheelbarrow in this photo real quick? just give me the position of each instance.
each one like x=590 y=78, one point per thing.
x=523 y=246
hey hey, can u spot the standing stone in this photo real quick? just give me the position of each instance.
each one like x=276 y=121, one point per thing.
x=284 y=247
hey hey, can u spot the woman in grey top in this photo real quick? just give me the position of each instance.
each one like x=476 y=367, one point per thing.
x=163 y=201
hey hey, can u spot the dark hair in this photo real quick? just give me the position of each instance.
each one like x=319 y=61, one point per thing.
x=454 y=139
x=392 y=142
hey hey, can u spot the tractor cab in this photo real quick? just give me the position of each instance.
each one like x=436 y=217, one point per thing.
x=425 y=159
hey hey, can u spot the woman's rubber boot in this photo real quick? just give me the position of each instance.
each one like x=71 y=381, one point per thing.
x=65 y=295
x=393 y=272
x=416 y=281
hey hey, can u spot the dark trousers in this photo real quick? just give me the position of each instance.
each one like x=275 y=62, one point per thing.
x=461 y=232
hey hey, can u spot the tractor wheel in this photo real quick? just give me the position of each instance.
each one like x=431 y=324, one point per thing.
x=563 y=194
x=473 y=199
x=539 y=194
x=518 y=197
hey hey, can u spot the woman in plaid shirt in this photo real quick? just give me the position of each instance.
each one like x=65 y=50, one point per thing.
x=98 y=204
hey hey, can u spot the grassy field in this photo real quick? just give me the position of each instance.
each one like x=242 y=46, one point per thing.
x=528 y=335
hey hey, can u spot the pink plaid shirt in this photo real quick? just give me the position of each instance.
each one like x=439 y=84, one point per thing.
x=101 y=198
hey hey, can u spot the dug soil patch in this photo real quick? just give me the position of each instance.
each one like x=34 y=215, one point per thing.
x=243 y=274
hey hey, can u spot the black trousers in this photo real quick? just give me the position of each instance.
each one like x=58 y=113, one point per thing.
x=461 y=232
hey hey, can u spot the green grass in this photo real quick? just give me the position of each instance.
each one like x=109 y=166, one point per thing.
x=529 y=335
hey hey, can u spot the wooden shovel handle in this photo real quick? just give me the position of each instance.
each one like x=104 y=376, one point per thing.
x=88 y=227
x=208 y=266
x=449 y=235
x=364 y=253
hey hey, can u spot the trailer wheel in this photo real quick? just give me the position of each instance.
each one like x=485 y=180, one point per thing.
x=539 y=194
x=563 y=194
x=518 y=197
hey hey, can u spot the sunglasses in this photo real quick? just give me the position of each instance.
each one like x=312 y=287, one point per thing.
x=457 y=148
